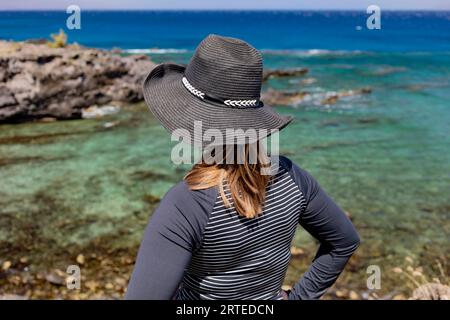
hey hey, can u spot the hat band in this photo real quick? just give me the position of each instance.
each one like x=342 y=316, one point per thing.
x=251 y=103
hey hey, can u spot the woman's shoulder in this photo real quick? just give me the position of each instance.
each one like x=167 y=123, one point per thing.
x=183 y=214
x=284 y=163
x=177 y=192
x=180 y=194
x=182 y=205
x=304 y=180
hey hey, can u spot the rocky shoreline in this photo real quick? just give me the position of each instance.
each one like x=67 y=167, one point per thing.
x=41 y=80
x=96 y=187
x=38 y=81
x=106 y=271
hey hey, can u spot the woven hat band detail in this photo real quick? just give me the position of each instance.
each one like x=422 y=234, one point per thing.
x=250 y=103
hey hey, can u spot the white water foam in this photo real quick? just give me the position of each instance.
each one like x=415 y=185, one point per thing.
x=313 y=52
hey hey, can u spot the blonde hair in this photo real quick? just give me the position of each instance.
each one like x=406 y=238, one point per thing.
x=244 y=179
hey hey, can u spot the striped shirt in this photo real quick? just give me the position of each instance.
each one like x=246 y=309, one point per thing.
x=243 y=258
x=196 y=248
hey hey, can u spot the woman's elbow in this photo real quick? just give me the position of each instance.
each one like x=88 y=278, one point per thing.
x=354 y=241
x=349 y=244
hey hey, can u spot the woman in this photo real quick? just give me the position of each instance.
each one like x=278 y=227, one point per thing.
x=225 y=232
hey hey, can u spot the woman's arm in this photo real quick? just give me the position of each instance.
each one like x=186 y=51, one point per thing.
x=159 y=267
x=173 y=233
x=326 y=222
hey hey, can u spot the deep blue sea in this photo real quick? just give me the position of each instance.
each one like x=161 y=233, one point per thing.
x=280 y=30
x=384 y=156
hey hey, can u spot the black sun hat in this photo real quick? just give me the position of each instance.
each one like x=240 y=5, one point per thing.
x=218 y=90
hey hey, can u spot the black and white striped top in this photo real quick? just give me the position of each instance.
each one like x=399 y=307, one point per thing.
x=246 y=258
x=196 y=248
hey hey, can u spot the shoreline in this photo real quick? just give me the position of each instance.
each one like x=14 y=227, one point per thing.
x=55 y=80
x=45 y=81
x=75 y=170
x=41 y=244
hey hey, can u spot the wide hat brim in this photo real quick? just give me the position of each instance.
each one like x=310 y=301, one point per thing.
x=179 y=111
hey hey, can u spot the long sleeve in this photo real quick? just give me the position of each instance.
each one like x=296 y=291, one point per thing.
x=172 y=235
x=326 y=222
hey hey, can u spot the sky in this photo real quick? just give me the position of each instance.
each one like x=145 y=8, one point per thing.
x=226 y=4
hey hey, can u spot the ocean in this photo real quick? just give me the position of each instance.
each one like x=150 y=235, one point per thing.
x=272 y=30
x=384 y=156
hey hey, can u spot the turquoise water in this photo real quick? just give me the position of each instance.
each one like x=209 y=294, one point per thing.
x=384 y=157
x=76 y=186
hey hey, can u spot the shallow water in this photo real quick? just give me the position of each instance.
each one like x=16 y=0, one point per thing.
x=384 y=157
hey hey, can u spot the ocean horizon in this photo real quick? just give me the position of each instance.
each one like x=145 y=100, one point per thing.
x=401 y=31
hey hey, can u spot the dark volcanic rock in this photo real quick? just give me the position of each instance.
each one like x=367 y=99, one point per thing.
x=285 y=98
x=6 y=97
x=292 y=98
x=279 y=73
x=37 y=81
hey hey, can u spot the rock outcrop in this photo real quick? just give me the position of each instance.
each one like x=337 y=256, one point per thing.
x=283 y=98
x=282 y=73
x=431 y=291
x=37 y=81
x=294 y=98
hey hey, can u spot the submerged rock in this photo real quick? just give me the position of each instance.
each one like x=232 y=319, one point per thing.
x=97 y=112
x=285 y=98
x=333 y=97
x=41 y=82
x=308 y=81
x=292 y=98
x=431 y=291
x=6 y=265
x=151 y=199
x=279 y=73
x=55 y=279
x=386 y=70
x=110 y=124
